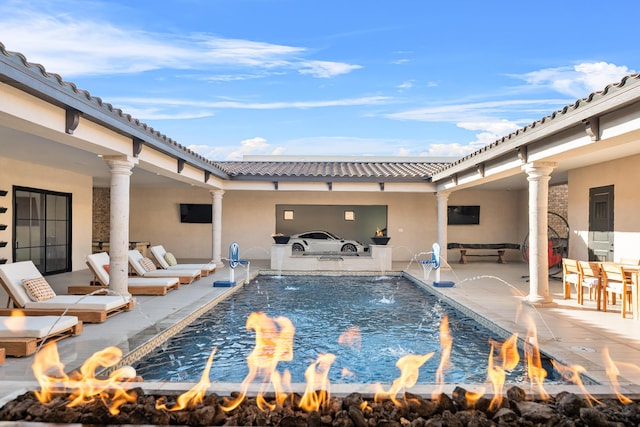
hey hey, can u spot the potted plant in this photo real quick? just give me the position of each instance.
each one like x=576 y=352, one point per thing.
x=380 y=238
x=280 y=238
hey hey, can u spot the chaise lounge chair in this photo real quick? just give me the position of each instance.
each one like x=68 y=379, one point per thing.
x=144 y=267
x=30 y=293
x=99 y=263
x=167 y=261
x=21 y=335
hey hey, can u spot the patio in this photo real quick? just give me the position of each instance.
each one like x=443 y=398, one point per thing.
x=572 y=334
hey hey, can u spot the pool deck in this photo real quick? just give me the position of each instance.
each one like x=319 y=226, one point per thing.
x=568 y=332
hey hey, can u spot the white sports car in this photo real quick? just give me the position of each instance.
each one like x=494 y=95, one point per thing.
x=323 y=241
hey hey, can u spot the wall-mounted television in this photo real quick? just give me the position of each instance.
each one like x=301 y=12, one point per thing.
x=195 y=213
x=463 y=215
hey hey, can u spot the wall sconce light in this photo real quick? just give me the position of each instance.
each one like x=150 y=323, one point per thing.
x=330 y=185
x=287 y=215
x=480 y=169
x=454 y=179
x=382 y=186
x=349 y=216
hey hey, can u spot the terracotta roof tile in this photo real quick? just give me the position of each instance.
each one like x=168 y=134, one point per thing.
x=402 y=171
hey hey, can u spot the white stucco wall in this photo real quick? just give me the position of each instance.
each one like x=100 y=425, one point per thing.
x=16 y=173
x=248 y=217
x=503 y=219
x=624 y=175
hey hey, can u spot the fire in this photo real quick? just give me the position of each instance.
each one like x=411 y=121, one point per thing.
x=274 y=343
x=535 y=371
x=613 y=372
x=196 y=394
x=16 y=321
x=351 y=337
x=572 y=373
x=409 y=366
x=446 y=341
x=510 y=358
x=317 y=388
x=83 y=386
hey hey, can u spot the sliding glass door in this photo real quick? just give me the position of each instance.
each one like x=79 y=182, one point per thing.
x=42 y=229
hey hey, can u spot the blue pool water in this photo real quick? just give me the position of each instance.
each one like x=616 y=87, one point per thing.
x=395 y=318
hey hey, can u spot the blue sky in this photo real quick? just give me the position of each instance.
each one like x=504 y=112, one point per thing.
x=229 y=78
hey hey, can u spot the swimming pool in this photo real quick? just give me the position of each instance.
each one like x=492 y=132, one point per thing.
x=394 y=317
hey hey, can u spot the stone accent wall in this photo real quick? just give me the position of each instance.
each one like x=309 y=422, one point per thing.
x=559 y=204
x=558 y=199
x=101 y=213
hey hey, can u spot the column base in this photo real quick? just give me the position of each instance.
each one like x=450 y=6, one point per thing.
x=539 y=301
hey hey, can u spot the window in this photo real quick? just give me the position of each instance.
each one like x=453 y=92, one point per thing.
x=42 y=229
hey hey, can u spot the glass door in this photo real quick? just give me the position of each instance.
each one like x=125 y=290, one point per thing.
x=42 y=229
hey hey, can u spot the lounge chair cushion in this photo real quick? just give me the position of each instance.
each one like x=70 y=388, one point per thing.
x=147 y=264
x=38 y=289
x=34 y=326
x=171 y=260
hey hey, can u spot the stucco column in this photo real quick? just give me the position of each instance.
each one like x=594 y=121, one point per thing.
x=121 y=169
x=442 y=198
x=217 y=226
x=538 y=175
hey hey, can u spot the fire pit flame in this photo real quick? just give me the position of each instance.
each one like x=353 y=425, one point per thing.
x=409 y=366
x=16 y=321
x=446 y=341
x=196 y=394
x=613 y=372
x=274 y=343
x=572 y=373
x=83 y=386
x=317 y=389
x=535 y=371
x=510 y=357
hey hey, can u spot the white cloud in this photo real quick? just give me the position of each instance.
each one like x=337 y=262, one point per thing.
x=577 y=81
x=471 y=112
x=405 y=85
x=170 y=108
x=84 y=45
x=256 y=145
x=326 y=69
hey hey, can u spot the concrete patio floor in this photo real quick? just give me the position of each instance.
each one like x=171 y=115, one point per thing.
x=569 y=333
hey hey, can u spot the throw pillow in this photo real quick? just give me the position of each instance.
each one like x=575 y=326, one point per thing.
x=147 y=264
x=106 y=268
x=171 y=260
x=38 y=289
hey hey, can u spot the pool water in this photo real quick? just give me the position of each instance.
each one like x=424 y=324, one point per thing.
x=395 y=318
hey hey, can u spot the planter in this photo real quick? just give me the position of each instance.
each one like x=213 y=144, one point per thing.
x=3 y=193
x=3 y=226
x=3 y=210
x=3 y=244
x=382 y=240
x=3 y=260
x=281 y=240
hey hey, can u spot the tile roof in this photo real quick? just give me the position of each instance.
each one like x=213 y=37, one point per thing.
x=322 y=170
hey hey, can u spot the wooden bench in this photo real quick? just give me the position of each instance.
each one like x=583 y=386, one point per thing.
x=499 y=248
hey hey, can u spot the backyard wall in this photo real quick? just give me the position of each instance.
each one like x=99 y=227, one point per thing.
x=624 y=175
x=503 y=219
x=248 y=217
x=14 y=172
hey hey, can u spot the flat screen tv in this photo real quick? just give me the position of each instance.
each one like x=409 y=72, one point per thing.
x=195 y=213
x=463 y=215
